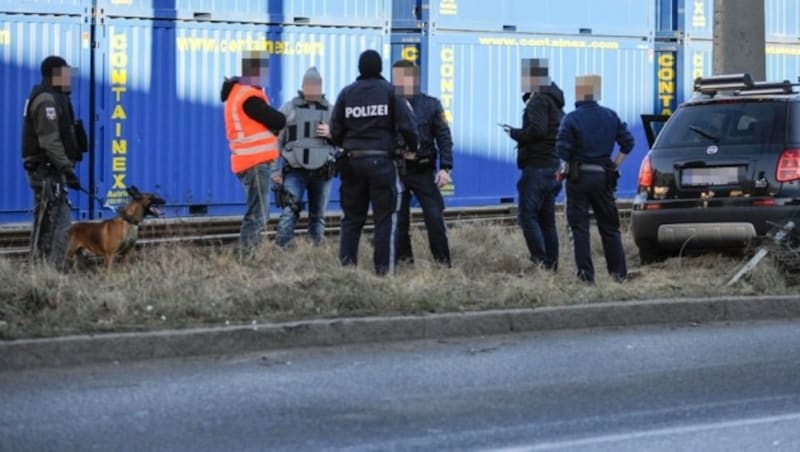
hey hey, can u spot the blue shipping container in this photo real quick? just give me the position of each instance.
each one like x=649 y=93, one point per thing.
x=477 y=77
x=694 y=19
x=357 y=13
x=783 y=63
x=25 y=40
x=71 y=7
x=160 y=116
x=612 y=17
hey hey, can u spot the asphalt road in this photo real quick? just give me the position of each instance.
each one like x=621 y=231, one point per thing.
x=709 y=388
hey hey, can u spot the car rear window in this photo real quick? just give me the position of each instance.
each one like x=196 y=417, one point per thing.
x=794 y=124
x=725 y=123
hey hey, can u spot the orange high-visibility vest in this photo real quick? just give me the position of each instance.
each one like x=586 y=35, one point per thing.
x=251 y=142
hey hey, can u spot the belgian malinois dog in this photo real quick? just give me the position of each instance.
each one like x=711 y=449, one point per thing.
x=117 y=236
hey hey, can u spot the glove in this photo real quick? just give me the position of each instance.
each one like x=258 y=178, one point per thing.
x=72 y=180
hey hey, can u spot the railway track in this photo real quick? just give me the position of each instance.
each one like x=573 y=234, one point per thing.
x=15 y=238
x=203 y=231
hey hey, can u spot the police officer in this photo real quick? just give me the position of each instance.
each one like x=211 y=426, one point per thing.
x=307 y=157
x=586 y=141
x=52 y=143
x=420 y=178
x=365 y=121
x=536 y=158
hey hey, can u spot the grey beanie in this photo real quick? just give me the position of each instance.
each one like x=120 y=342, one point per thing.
x=312 y=77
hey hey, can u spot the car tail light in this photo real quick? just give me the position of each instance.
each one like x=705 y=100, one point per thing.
x=788 y=166
x=646 y=173
x=764 y=203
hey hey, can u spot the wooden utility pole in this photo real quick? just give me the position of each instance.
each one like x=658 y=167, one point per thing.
x=739 y=41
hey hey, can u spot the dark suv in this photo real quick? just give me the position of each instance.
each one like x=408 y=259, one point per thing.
x=723 y=169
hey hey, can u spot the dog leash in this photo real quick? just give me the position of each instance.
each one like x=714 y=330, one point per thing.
x=99 y=200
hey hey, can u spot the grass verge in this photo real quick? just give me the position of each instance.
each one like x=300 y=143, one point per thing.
x=181 y=286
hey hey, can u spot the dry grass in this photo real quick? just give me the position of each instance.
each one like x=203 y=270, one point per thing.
x=175 y=287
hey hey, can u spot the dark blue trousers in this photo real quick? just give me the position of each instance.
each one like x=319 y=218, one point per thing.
x=422 y=186
x=590 y=191
x=370 y=181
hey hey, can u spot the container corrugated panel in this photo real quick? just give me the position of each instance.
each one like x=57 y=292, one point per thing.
x=610 y=17
x=45 y=6
x=783 y=63
x=477 y=77
x=408 y=14
x=24 y=41
x=161 y=119
x=695 y=18
x=364 y=13
x=409 y=46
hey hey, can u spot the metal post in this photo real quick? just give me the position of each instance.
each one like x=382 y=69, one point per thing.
x=739 y=38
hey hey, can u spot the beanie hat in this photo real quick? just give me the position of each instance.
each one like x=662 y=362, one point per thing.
x=312 y=77
x=50 y=64
x=370 y=64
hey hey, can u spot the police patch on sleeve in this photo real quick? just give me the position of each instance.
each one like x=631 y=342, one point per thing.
x=50 y=112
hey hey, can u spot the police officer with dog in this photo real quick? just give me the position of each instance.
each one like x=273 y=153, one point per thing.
x=365 y=122
x=421 y=178
x=585 y=141
x=52 y=143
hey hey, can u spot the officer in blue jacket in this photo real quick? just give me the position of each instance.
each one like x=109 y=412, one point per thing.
x=365 y=121
x=421 y=178
x=585 y=141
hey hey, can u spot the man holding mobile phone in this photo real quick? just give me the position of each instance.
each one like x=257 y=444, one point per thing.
x=536 y=157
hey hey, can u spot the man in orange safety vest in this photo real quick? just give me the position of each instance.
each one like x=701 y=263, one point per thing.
x=252 y=126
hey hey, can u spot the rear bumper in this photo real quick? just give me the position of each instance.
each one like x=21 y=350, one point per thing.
x=706 y=227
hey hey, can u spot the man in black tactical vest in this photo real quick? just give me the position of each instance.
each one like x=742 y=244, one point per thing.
x=52 y=143
x=307 y=158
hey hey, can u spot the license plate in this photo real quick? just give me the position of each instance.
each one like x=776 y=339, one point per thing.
x=723 y=175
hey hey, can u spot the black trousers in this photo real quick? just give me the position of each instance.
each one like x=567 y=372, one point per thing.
x=52 y=218
x=591 y=191
x=365 y=181
x=421 y=185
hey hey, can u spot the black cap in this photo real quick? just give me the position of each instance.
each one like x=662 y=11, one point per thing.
x=50 y=64
x=370 y=64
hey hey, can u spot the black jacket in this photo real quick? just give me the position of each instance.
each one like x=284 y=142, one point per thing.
x=434 y=132
x=588 y=134
x=48 y=134
x=536 y=139
x=368 y=115
x=256 y=109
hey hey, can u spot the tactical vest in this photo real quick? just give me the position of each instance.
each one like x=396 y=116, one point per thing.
x=303 y=148
x=66 y=123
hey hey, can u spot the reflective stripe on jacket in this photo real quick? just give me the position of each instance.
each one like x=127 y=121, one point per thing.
x=251 y=142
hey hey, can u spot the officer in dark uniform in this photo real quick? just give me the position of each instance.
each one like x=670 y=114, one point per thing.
x=420 y=178
x=364 y=123
x=52 y=143
x=586 y=141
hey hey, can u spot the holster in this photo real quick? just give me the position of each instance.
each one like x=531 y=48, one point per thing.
x=341 y=163
x=612 y=176
x=399 y=158
x=573 y=173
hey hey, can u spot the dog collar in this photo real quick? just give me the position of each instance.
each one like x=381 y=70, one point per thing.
x=129 y=219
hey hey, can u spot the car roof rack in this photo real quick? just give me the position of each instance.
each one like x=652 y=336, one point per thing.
x=726 y=82
x=741 y=85
x=764 y=88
